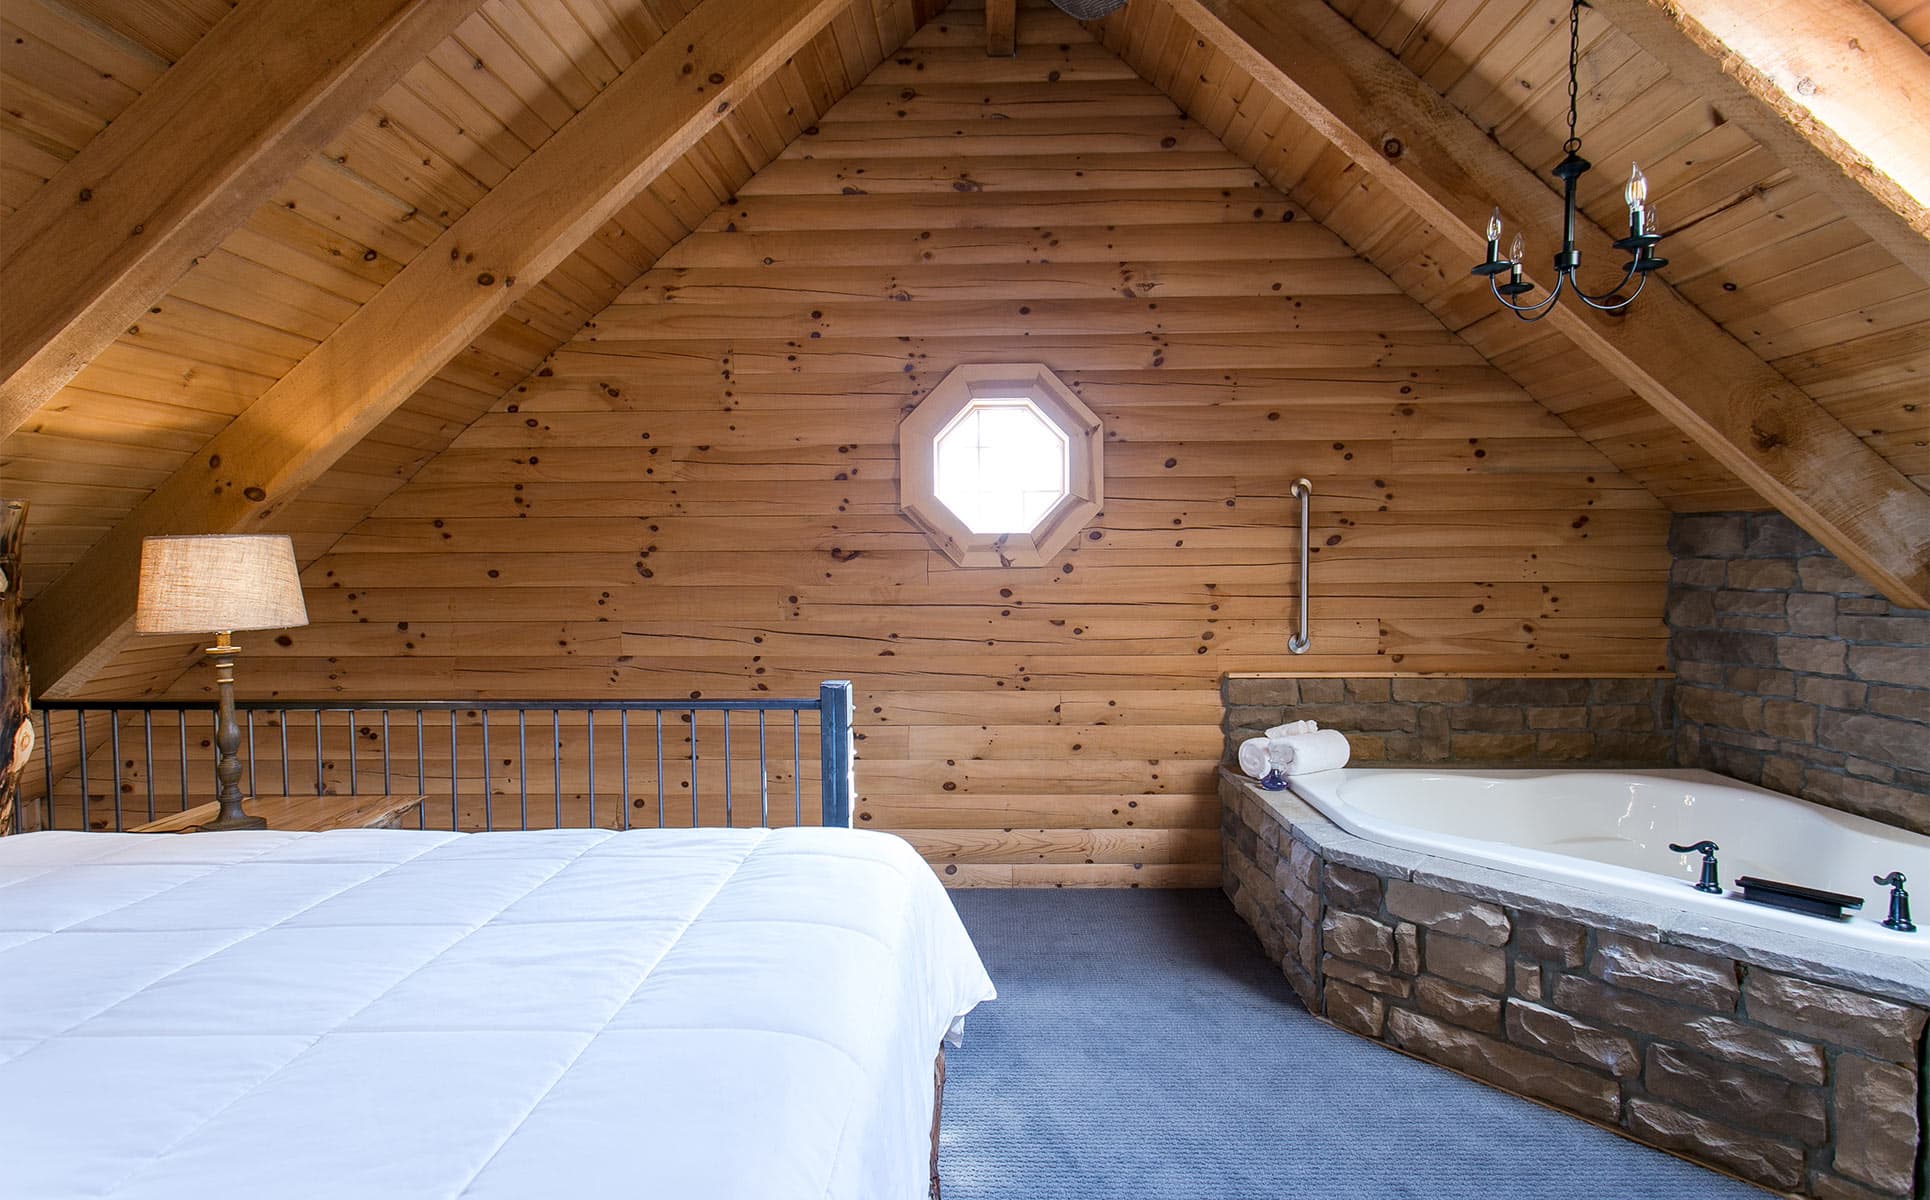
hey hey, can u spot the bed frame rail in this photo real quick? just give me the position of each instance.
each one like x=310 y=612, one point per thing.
x=479 y=764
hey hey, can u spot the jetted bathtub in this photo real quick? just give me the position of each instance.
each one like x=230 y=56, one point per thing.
x=1610 y=831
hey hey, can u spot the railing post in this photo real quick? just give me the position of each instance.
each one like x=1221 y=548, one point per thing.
x=834 y=733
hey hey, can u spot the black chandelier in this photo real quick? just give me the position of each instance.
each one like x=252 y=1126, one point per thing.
x=1639 y=244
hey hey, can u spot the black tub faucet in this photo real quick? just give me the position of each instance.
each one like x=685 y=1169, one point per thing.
x=1899 y=918
x=1707 y=849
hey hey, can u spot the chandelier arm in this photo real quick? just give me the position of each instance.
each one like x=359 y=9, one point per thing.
x=1601 y=300
x=1527 y=312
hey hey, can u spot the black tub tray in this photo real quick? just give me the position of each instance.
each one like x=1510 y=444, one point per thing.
x=1797 y=898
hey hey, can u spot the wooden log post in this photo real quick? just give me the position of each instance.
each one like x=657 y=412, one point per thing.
x=16 y=731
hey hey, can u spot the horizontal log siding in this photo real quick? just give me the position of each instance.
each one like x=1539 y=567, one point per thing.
x=699 y=493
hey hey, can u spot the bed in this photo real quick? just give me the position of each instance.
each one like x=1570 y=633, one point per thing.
x=702 y=1014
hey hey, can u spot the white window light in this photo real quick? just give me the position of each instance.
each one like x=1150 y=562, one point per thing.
x=1001 y=465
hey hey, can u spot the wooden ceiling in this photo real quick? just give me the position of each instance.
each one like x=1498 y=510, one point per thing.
x=1757 y=248
x=1911 y=16
x=1751 y=245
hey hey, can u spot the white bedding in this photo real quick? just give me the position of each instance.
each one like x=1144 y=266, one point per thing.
x=371 y=1014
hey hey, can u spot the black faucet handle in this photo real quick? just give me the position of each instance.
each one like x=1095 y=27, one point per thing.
x=1710 y=882
x=1899 y=918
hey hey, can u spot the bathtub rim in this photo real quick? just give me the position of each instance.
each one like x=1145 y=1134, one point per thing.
x=1893 y=977
x=1326 y=792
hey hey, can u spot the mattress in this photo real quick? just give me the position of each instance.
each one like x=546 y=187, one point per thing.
x=702 y=1014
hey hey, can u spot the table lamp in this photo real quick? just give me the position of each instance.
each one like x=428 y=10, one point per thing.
x=218 y=584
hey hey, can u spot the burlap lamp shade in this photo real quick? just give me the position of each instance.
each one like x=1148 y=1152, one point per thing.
x=219 y=583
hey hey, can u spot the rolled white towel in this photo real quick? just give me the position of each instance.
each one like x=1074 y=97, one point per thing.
x=1253 y=757
x=1291 y=728
x=1323 y=750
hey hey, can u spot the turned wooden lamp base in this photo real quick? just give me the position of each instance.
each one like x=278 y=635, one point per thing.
x=238 y=819
x=227 y=741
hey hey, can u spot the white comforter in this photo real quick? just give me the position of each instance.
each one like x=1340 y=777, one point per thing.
x=682 y=1015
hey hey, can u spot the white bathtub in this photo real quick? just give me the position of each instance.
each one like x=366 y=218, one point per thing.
x=1610 y=831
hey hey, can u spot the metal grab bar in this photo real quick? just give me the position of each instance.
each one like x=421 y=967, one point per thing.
x=1299 y=641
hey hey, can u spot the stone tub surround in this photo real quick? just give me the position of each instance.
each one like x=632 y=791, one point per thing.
x=1780 y=1058
x=1534 y=721
x=1794 y=674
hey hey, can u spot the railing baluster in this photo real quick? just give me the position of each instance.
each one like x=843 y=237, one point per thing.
x=522 y=763
x=252 y=790
x=386 y=785
x=623 y=732
x=181 y=727
x=589 y=764
x=354 y=780
x=455 y=806
x=114 y=741
x=80 y=716
x=660 y=768
x=727 y=768
x=320 y=790
x=421 y=775
x=556 y=763
x=797 y=769
x=47 y=768
x=763 y=775
x=696 y=822
x=147 y=748
x=283 y=715
x=489 y=790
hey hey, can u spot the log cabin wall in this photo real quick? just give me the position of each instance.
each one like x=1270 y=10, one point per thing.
x=698 y=494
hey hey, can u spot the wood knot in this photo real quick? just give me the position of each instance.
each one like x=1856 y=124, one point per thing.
x=1392 y=148
x=254 y=493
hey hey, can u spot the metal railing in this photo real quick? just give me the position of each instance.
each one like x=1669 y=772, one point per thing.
x=161 y=759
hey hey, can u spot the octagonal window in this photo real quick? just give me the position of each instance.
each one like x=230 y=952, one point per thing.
x=1001 y=465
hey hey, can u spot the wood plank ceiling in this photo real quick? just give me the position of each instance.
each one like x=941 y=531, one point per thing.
x=1753 y=245
x=342 y=228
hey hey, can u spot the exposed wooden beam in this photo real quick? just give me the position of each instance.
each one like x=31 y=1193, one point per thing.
x=1832 y=89
x=183 y=167
x=1001 y=28
x=660 y=107
x=1448 y=171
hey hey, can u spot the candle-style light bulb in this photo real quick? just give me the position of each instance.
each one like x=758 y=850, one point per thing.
x=1514 y=251
x=1494 y=226
x=1637 y=190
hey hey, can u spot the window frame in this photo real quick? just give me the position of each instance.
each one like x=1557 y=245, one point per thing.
x=917 y=464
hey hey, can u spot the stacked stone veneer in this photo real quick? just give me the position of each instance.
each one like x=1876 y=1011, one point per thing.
x=1795 y=1084
x=1794 y=673
x=1491 y=722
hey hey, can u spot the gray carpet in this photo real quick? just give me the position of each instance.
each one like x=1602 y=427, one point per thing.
x=1142 y=1048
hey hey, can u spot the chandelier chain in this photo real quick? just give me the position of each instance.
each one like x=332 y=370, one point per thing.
x=1573 y=143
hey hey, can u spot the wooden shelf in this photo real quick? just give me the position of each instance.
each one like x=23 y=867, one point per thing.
x=299 y=814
